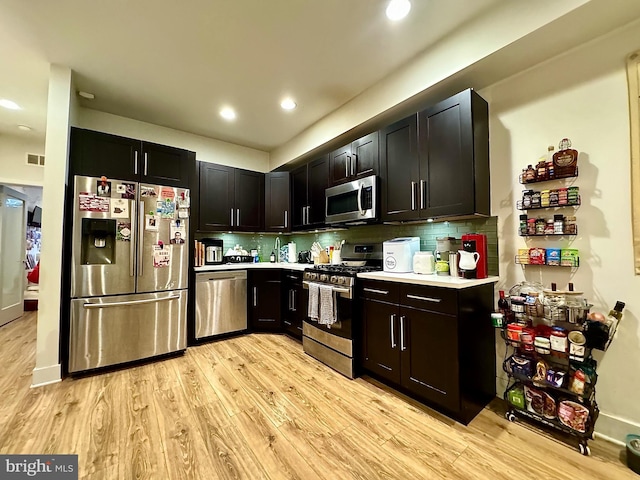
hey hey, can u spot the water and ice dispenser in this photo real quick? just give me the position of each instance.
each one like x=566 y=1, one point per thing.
x=98 y=241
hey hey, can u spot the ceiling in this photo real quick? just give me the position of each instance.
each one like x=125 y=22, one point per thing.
x=161 y=62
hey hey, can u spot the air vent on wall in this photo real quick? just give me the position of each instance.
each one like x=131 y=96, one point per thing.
x=33 y=159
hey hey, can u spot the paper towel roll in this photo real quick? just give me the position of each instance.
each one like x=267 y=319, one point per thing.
x=293 y=255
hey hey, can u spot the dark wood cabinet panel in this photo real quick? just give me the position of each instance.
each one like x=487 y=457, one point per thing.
x=399 y=175
x=277 y=202
x=308 y=184
x=295 y=304
x=164 y=165
x=357 y=159
x=429 y=356
x=264 y=296
x=216 y=205
x=96 y=154
x=249 y=200
x=318 y=181
x=380 y=349
x=453 y=152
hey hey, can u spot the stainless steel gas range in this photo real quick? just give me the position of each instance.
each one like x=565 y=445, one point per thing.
x=331 y=327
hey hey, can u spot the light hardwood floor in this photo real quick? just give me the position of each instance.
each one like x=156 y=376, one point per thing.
x=256 y=407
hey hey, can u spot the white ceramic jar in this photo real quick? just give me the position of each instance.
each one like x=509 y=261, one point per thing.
x=424 y=262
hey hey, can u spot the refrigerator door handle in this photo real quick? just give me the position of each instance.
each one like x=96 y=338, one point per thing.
x=140 y=238
x=132 y=244
x=132 y=302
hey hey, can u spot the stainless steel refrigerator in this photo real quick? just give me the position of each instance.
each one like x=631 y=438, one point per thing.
x=129 y=273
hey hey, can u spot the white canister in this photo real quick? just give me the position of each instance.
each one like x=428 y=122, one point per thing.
x=292 y=254
x=424 y=262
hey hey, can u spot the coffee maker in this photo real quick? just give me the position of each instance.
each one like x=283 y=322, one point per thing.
x=212 y=251
x=476 y=242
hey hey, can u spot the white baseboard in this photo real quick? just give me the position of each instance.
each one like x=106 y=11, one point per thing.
x=615 y=429
x=46 y=375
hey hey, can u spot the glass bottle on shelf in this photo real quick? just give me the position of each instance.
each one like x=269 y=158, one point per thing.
x=565 y=161
x=530 y=174
x=550 y=169
x=503 y=304
x=614 y=317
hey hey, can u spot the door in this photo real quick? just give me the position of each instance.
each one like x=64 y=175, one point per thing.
x=13 y=225
x=299 y=197
x=96 y=154
x=340 y=165
x=318 y=181
x=163 y=245
x=164 y=165
x=381 y=351
x=278 y=210
x=429 y=353
x=249 y=200
x=216 y=195
x=365 y=156
x=265 y=300
x=399 y=175
x=104 y=237
x=446 y=158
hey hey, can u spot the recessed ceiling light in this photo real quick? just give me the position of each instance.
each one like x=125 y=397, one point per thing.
x=9 y=104
x=288 y=104
x=398 y=9
x=228 y=113
x=25 y=128
x=87 y=95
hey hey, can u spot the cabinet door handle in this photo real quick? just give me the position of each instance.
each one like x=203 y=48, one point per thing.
x=346 y=166
x=373 y=290
x=413 y=195
x=145 y=163
x=232 y=217
x=354 y=159
x=255 y=296
x=423 y=187
x=135 y=162
x=293 y=300
x=285 y=219
x=392 y=321
x=402 y=347
x=237 y=217
x=426 y=299
x=308 y=214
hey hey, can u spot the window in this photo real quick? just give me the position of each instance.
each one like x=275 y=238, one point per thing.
x=33 y=159
x=633 y=72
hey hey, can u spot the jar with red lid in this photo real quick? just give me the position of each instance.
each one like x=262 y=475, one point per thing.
x=559 y=341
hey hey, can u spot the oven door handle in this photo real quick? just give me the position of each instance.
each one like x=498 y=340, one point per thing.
x=305 y=284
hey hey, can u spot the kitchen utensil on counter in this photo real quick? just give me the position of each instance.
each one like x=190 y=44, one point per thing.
x=442 y=267
x=212 y=251
x=398 y=254
x=453 y=264
x=305 y=257
x=336 y=258
x=468 y=260
x=477 y=242
x=292 y=255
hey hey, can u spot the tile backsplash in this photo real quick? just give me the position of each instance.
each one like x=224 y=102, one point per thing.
x=428 y=232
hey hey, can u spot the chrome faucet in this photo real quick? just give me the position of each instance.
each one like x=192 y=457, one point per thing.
x=277 y=248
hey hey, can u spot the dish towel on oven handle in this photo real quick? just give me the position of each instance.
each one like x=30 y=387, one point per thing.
x=314 y=294
x=327 y=306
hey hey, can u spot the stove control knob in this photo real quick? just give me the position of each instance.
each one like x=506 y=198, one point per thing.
x=334 y=279
x=323 y=277
x=341 y=280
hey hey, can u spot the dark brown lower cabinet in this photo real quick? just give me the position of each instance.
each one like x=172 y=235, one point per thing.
x=295 y=303
x=435 y=344
x=264 y=298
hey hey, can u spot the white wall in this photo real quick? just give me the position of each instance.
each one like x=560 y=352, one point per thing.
x=59 y=110
x=207 y=149
x=581 y=95
x=13 y=161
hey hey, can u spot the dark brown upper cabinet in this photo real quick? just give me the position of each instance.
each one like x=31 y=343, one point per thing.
x=96 y=154
x=230 y=199
x=277 y=202
x=357 y=159
x=308 y=184
x=436 y=163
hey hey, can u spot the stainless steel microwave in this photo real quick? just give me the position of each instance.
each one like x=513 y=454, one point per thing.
x=352 y=203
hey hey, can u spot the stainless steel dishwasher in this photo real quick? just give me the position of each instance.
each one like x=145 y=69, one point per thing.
x=221 y=302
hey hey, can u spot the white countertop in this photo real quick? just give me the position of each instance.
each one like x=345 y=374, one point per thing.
x=252 y=266
x=432 y=280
